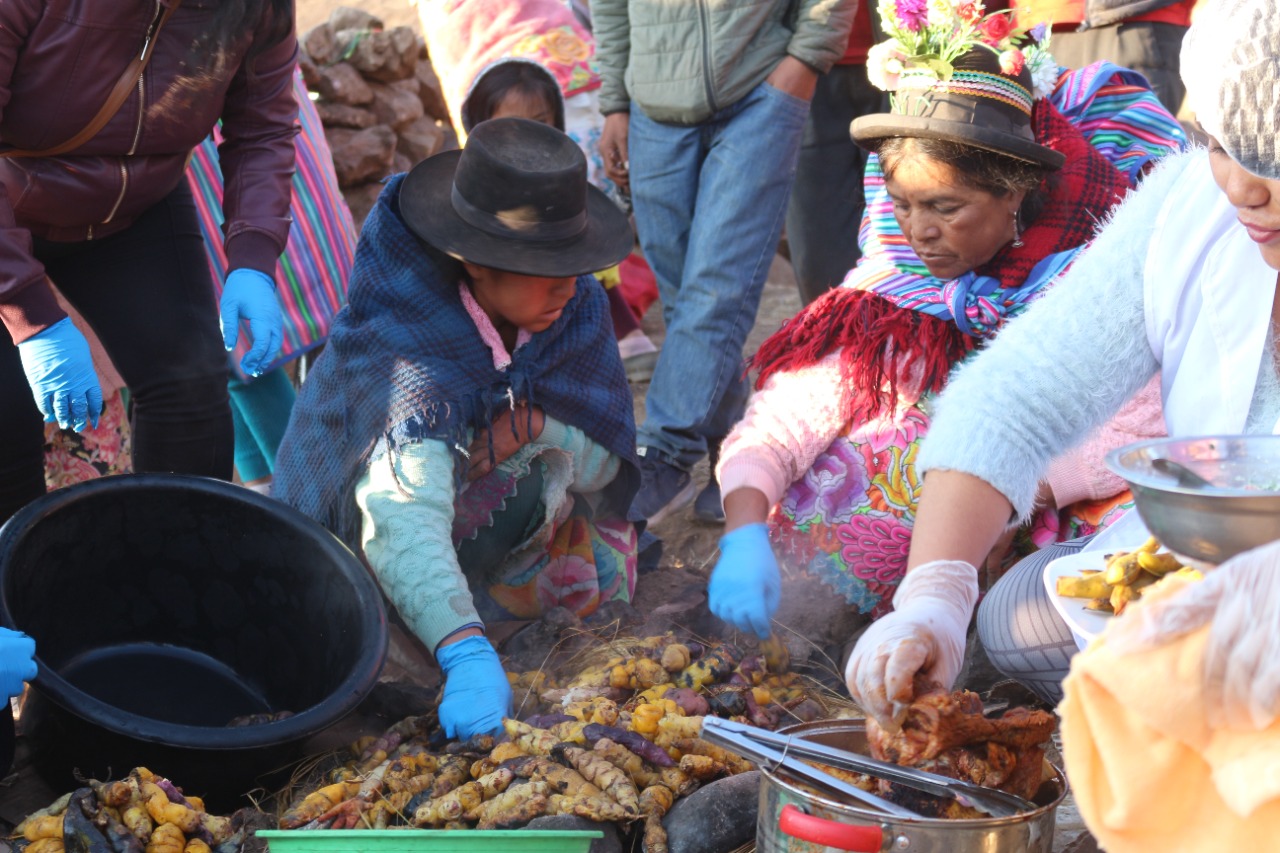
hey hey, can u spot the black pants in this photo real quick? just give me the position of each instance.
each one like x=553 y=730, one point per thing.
x=147 y=293
x=826 y=199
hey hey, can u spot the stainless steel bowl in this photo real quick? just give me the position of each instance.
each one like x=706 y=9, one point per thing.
x=1241 y=509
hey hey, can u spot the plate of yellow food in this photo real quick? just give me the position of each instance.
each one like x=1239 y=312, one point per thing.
x=1091 y=588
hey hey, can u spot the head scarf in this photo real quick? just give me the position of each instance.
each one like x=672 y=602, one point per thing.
x=1231 y=67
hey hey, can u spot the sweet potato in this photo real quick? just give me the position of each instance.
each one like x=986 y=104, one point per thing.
x=45 y=826
x=45 y=845
x=313 y=805
x=601 y=773
x=690 y=702
x=167 y=838
x=516 y=806
x=638 y=744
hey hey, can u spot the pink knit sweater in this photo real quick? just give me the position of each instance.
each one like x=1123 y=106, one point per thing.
x=796 y=416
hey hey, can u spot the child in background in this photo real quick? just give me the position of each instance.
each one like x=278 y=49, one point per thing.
x=531 y=59
x=469 y=427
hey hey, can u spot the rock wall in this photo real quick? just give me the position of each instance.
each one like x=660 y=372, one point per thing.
x=378 y=98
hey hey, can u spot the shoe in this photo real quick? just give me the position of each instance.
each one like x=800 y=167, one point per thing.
x=639 y=368
x=639 y=356
x=664 y=488
x=648 y=553
x=708 y=506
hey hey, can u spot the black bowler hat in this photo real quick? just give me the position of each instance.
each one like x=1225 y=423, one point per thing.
x=516 y=198
x=979 y=105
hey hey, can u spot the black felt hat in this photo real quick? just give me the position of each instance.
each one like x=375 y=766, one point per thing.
x=516 y=198
x=980 y=106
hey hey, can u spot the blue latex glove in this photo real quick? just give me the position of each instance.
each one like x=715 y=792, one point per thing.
x=251 y=295
x=745 y=584
x=17 y=661
x=477 y=694
x=60 y=372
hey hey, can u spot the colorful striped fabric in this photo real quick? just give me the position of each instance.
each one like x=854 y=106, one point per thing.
x=1114 y=110
x=312 y=275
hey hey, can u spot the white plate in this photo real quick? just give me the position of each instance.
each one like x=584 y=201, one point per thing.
x=1085 y=624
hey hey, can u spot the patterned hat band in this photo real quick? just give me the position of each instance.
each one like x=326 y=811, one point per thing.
x=982 y=84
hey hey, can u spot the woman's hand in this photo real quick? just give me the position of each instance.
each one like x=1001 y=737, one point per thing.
x=477 y=694
x=511 y=430
x=794 y=77
x=924 y=635
x=59 y=369
x=1240 y=600
x=613 y=149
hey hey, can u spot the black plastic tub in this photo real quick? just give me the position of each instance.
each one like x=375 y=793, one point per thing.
x=165 y=606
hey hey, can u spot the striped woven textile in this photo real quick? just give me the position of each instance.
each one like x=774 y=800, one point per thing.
x=312 y=275
x=1115 y=111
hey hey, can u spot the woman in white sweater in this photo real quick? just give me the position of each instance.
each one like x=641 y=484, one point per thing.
x=1183 y=280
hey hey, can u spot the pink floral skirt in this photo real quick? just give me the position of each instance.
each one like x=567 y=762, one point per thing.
x=848 y=520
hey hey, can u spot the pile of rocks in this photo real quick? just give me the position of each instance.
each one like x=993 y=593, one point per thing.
x=378 y=98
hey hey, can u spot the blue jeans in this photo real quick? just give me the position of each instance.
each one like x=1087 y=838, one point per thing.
x=709 y=204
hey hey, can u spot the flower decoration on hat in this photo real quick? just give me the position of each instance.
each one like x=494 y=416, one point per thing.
x=927 y=37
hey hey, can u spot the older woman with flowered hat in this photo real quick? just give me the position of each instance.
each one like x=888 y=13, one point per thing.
x=992 y=171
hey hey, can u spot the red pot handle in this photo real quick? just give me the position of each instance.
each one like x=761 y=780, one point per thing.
x=816 y=830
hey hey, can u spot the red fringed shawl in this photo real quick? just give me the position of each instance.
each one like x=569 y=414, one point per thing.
x=885 y=347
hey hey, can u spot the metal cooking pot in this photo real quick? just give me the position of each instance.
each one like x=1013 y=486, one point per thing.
x=796 y=820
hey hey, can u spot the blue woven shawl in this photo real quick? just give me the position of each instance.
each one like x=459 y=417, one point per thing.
x=405 y=363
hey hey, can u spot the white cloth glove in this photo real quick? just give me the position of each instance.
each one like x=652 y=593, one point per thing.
x=1241 y=668
x=924 y=634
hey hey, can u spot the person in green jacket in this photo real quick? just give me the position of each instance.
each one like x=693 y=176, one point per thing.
x=705 y=103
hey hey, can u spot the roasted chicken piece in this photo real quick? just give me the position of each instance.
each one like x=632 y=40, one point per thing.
x=946 y=733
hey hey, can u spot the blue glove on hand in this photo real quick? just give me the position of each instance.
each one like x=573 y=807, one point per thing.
x=17 y=661
x=60 y=372
x=477 y=694
x=251 y=295
x=745 y=585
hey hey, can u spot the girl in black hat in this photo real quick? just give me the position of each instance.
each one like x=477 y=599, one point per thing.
x=469 y=428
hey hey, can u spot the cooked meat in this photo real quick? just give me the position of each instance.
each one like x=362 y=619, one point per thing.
x=947 y=734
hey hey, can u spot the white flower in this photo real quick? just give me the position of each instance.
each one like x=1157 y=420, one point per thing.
x=884 y=65
x=1044 y=71
x=942 y=14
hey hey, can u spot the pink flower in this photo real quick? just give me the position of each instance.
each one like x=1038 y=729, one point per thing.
x=1012 y=62
x=913 y=14
x=971 y=11
x=996 y=28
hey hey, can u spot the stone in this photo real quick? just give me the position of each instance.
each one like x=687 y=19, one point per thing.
x=717 y=817
x=310 y=71
x=351 y=18
x=429 y=91
x=394 y=107
x=361 y=199
x=400 y=163
x=610 y=843
x=345 y=115
x=385 y=56
x=420 y=139
x=361 y=155
x=319 y=44
x=342 y=84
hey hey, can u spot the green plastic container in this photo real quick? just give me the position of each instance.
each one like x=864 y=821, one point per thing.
x=428 y=840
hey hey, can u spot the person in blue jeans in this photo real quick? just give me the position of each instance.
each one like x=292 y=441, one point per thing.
x=705 y=105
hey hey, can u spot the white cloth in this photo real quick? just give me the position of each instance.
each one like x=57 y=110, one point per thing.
x=1207 y=294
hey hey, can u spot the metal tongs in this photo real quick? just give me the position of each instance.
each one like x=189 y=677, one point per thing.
x=785 y=751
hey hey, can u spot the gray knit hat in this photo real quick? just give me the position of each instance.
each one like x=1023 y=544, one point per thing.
x=1231 y=67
